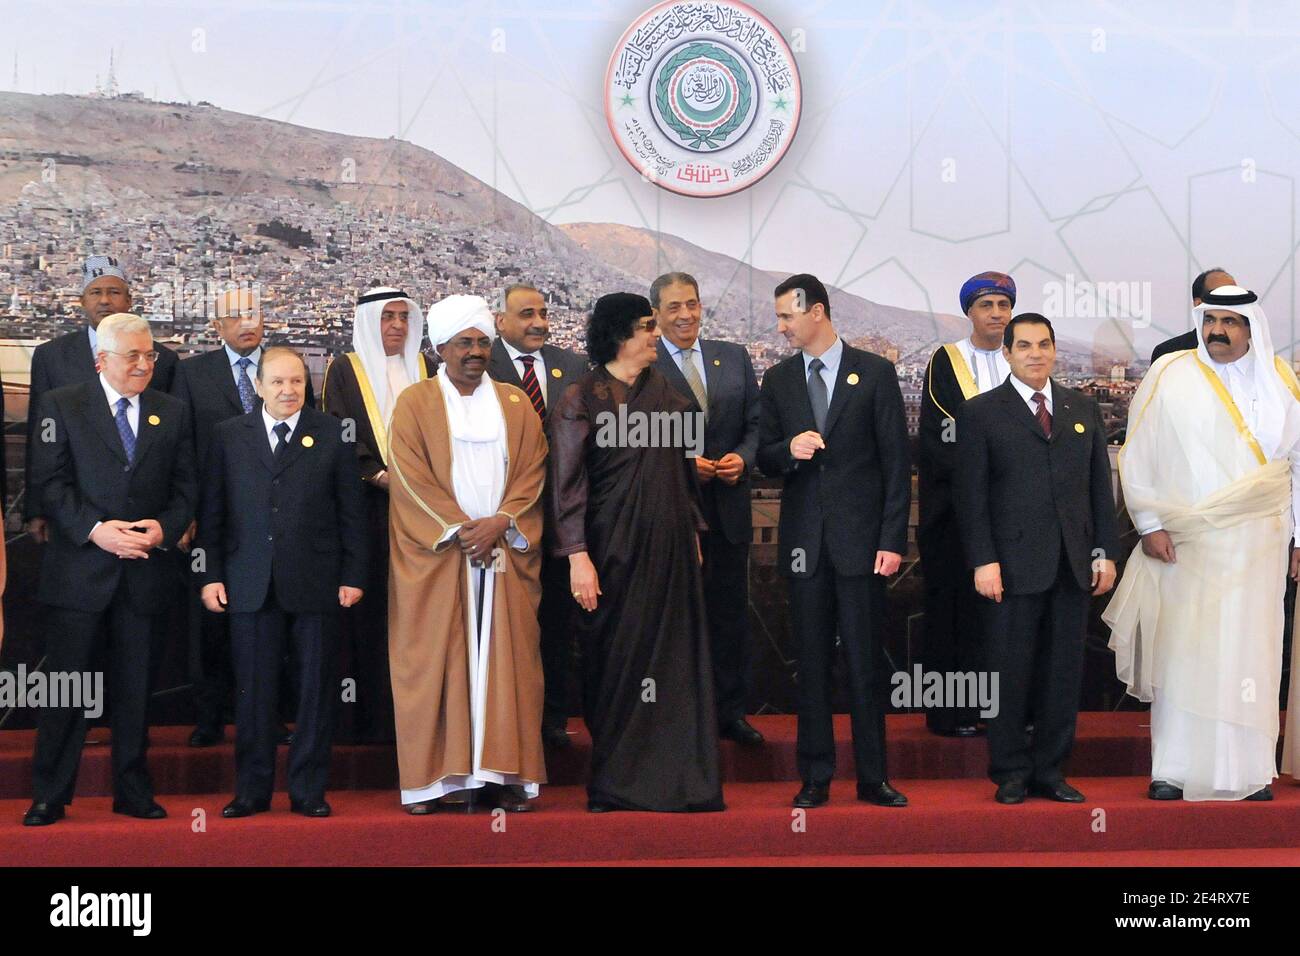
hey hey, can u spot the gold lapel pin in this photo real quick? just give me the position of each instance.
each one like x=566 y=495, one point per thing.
x=717 y=361
x=556 y=373
x=308 y=441
x=514 y=398
x=853 y=378
x=155 y=420
x=1078 y=427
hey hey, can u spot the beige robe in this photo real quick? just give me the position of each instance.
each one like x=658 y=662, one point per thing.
x=428 y=640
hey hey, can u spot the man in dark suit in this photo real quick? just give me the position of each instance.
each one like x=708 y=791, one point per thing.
x=1038 y=524
x=71 y=358
x=218 y=385
x=283 y=533
x=718 y=379
x=115 y=464
x=1207 y=281
x=361 y=387
x=832 y=425
x=520 y=357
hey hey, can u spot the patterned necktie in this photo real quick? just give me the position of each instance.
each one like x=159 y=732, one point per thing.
x=124 y=429
x=692 y=375
x=817 y=393
x=282 y=435
x=1043 y=415
x=533 y=389
x=247 y=395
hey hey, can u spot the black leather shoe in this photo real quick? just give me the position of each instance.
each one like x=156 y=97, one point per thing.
x=1060 y=791
x=310 y=808
x=742 y=732
x=812 y=795
x=1163 y=790
x=555 y=737
x=882 y=795
x=599 y=806
x=240 y=807
x=513 y=800
x=423 y=808
x=206 y=738
x=141 y=811
x=1012 y=791
x=42 y=814
x=1265 y=794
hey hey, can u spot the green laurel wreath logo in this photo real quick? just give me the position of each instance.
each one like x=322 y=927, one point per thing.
x=710 y=139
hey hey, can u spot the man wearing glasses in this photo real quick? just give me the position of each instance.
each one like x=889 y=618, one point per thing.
x=114 y=461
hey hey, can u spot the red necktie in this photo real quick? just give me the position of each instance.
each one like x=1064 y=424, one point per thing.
x=530 y=385
x=1043 y=415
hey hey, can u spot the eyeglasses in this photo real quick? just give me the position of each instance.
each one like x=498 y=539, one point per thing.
x=647 y=326
x=134 y=357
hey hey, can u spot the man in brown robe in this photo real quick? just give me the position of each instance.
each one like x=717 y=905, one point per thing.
x=467 y=458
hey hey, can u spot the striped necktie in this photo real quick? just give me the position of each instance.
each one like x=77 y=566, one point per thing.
x=124 y=429
x=692 y=375
x=531 y=386
x=1043 y=415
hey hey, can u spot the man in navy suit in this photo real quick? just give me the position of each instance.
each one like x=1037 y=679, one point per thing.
x=282 y=530
x=114 y=461
x=718 y=379
x=832 y=426
x=218 y=385
x=70 y=358
x=521 y=357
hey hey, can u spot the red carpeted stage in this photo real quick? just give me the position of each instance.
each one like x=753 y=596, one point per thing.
x=952 y=820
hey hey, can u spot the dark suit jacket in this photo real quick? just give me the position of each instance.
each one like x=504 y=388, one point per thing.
x=1177 y=344
x=856 y=491
x=732 y=425
x=85 y=478
x=67 y=360
x=1021 y=497
x=299 y=520
x=204 y=383
x=937 y=532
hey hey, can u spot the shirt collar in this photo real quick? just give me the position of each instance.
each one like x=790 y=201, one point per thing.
x=94 y=338
x=114 y=396
x=254 y=357
x=1026 y=392
x=676 y=352
x=514 y=353
x=1244 y=366
x=975 y=348
x=270 y=423
x=830 y=358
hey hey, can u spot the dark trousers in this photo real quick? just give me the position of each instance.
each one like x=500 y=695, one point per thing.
x=822 y=605
x=1035 y=645
x=211 y=667
x=555 y=617
x=258 y=640
x=71 y=643
x=726 y=595
x=953 y=640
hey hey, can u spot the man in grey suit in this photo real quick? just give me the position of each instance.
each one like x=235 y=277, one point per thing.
x=718 y=379
x=521 y=357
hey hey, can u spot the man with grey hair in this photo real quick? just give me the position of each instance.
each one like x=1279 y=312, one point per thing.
x=718 y=379
x=521 y=357
x=114 y=461
x=70 y=358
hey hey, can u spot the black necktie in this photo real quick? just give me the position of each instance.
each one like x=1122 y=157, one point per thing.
x=282 y=438
x=817 y=393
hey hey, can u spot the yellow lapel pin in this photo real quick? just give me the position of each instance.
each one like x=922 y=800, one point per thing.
x=717 y=361
x=853 y=378
x=514 y=398
x=556 y=373
x=308 y=441
x=155 y=420
x=1078 y=427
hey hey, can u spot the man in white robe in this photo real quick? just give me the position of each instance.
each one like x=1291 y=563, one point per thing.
x=1211 y=475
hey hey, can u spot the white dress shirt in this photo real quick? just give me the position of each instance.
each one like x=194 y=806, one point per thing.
x=132 y=411
x=989 y=368
x=831 y=360
x=270 y=423
x=94 y=338
x=539 y=367
x=254 y=358
x=1239 y=379
x=697 y=359
x=1027 y=394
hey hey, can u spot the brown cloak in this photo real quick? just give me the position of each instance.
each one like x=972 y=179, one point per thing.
x=427 y=640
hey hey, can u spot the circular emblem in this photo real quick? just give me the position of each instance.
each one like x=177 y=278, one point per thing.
x=702 y=99
x=308 y=441
x=155 y=420
x=853 y=378
x=1078 y=427
x=556 y=373
x=717 y=361
x=514 y=398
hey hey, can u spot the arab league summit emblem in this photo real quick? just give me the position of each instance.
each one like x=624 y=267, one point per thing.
x=702 y=99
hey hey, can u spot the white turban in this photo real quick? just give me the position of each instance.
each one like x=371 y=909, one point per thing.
x=455 y=314
x=368 y=343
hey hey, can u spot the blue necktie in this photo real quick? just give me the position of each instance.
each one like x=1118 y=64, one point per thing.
x=247 y=395
x=124 y=429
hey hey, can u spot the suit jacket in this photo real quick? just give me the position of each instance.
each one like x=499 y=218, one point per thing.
x=68 y=360
x=84 y=477
x=732 y=425
x=854 y=493
x=1022 y=497
x=1178 y=343
x=299 y=520
x=204 y=383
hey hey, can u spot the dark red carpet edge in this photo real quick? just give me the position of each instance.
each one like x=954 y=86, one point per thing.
x=946 y=817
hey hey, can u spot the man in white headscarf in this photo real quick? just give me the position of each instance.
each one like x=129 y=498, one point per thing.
x=362 y=387
x=1211 y=475
x=467 y=456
